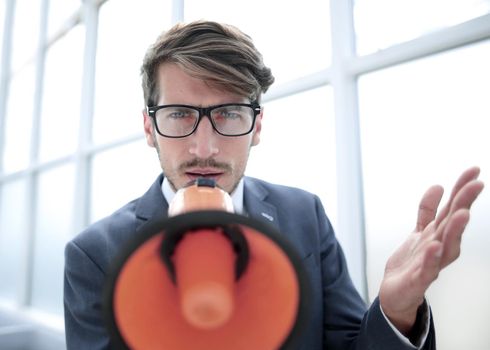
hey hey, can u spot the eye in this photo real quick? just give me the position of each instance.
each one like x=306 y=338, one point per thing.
x=232 y=113
x=178 y=114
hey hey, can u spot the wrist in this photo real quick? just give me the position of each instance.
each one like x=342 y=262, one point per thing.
x=420 y=330
x=402 y=320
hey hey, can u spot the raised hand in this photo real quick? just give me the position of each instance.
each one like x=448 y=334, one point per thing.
x=434 y=244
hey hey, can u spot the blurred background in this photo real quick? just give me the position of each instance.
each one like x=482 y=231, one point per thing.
x=374 y=101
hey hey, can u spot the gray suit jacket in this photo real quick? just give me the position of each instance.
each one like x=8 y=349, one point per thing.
x=340 y=319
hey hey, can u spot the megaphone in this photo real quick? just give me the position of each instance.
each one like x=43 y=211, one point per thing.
x=205 y=278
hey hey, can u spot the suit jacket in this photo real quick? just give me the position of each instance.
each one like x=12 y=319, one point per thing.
x=339 y=317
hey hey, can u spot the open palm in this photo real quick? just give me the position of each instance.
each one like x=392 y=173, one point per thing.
x=434 y=244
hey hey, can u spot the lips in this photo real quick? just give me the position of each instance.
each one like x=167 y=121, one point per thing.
x=205 y=173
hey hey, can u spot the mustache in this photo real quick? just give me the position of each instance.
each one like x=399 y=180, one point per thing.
x=204 y=163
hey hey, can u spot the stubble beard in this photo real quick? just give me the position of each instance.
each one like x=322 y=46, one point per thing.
x=196 y=162
x=199 y=163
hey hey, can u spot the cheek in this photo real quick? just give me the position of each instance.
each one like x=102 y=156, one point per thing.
x=172 y=151
x=237 y=151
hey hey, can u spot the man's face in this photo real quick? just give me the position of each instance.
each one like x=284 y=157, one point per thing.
x=205 y=153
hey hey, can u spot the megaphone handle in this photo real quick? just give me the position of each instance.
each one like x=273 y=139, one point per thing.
x=204 y=261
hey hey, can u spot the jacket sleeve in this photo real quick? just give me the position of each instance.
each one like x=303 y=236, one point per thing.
x=84 y=324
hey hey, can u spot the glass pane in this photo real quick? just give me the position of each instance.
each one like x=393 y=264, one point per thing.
x=294 y=42
x=423 y=123
x=61 y=96
x=59 y=12
x=121 y=175
x=383 y=23
x=19 y=120
x=3 y=19
x=54 y=217
x=119 y=98
x=13 y=243
x=27 y=19
x=291 y=143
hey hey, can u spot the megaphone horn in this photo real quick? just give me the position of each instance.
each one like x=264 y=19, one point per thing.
x=206 y=280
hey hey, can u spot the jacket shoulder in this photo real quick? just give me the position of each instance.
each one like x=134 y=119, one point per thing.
x=103 y=239
x=282 y=194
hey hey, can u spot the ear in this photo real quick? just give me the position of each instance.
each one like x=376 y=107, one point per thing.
x=148 y=127
x=258 y=128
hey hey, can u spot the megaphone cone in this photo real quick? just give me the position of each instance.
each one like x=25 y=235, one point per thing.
x=206 y=280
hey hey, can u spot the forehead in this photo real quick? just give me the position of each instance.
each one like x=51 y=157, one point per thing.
x=177 y=86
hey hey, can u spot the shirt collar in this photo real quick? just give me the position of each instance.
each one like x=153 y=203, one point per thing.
x=236 y=196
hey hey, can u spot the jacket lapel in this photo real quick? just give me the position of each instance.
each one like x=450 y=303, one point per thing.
x=256 y=205
x=152 y=204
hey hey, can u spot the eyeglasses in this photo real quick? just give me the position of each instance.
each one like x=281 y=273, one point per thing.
x=230 y=119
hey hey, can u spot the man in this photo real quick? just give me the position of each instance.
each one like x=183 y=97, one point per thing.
x=202 y=85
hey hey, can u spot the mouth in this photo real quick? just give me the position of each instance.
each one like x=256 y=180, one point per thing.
x=193 y=174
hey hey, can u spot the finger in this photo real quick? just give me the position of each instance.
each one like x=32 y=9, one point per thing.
x=463 y=200
x=467 y=195
x=467 y=176
x=428 y=207
x=452 y=236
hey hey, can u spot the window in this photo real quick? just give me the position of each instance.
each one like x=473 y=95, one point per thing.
x=13 y=240
x=294 y=44
x=120 y=175
x=18 y=120
x=424 y=122
x=60 y=12
x=297 y=145
x=120 y=50
x=60 y=116
x=383 y=23
x=53 y=228
x=3 y=10
x=25 y=32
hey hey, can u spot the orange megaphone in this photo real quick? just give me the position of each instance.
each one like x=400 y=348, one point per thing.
x=206 y=279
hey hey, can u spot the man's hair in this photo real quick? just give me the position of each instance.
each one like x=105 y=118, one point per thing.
x=219 y=54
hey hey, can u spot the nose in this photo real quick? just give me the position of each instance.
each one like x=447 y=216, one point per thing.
x=204 y=142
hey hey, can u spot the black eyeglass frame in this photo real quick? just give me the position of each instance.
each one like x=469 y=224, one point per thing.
x=204 y=111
